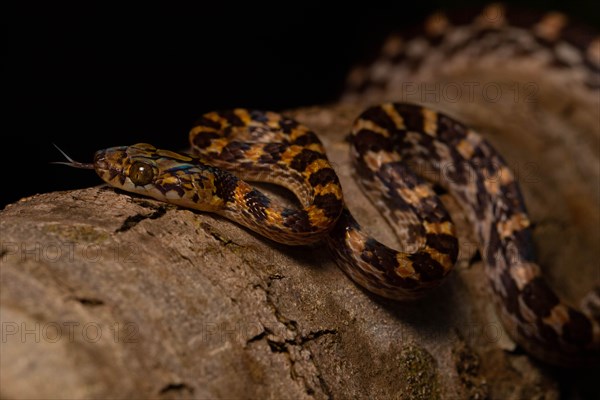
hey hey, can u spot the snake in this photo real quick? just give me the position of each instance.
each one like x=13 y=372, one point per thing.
x=398 y=150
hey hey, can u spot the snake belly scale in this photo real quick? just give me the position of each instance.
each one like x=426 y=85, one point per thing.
x=390 y=143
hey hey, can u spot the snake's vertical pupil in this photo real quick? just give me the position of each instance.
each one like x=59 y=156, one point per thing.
x=141 y=173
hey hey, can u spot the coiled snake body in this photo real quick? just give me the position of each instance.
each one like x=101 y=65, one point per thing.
x=387 y=141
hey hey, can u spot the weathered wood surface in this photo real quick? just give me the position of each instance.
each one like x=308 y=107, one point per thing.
x=108 y=295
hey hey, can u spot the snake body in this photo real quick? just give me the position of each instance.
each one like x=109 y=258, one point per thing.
x=394 y=147
x=385 y=139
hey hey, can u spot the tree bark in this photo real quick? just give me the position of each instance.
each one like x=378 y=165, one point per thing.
x=109 y=295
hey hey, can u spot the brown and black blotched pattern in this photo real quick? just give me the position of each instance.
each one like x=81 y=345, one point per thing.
x=394 y=147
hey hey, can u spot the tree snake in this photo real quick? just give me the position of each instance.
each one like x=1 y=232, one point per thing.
x=391 y=144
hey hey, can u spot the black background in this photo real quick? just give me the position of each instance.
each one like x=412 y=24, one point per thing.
x=90 y=77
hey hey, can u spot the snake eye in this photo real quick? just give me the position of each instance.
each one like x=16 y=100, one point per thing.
x=141 y=173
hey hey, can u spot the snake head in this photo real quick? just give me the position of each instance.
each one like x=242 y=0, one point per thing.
x=162 y=174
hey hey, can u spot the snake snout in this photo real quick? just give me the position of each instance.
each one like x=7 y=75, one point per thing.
x=100 y=160
x=109 y=164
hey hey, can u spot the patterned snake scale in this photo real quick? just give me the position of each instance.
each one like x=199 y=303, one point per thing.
x=388 y=142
